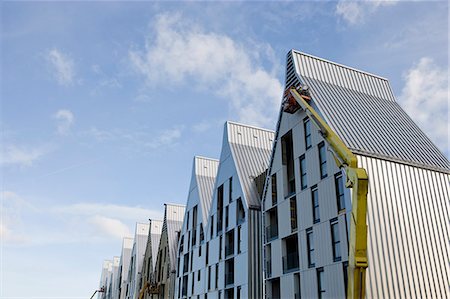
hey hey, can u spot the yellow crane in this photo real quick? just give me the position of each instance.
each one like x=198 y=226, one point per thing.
x=298 y=97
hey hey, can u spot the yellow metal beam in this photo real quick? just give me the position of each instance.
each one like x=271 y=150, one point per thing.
x=358 y=181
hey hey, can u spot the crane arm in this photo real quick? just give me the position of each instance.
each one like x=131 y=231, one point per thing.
x=358 y=181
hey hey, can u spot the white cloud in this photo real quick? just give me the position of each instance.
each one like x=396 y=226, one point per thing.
x=184 y=53
x=21 y=155
x=12 y=207
x=63 y=66
x=167 y=137
x=425 y=99
x=110 y=226
x=65 y=120
x=356 y=12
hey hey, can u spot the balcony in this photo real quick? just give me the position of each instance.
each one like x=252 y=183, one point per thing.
x=271 y=232
x=290 y=262
x=268 y=268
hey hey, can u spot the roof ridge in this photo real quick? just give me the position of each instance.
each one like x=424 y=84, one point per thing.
x=339 y=64
x=206 y=158
x=248 y=126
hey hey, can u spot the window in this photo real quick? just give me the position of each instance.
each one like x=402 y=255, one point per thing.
x=303 y=179
x=339 y=183
x=200 y=250
x=345 y=270
x=187 y=220
x=240 y=212
x=207 y=253
x=212 y=227
x=194 y=217
x=274 y=189
x=199 y=275
x=182 y=244
x=202 y=234
x=217 y=276
x=209 y=278
x=226 y=216
x=238 y=292
x=239 y=239
x=220 y=247
x=192 y=259
x=229 y=271
x=290 y=257
x=297 y=294
x=192 y=283
x=307 y=129
x=288 y=162
x=185 y=286
x=315 y=204
x=230 y=190
x=335 y=240
x=185 y=263
x=229 y=243
x=219 y=209
x=320 y=283
x=323 y=160
x=272 y=227
x=293 y=206
x=310 y=245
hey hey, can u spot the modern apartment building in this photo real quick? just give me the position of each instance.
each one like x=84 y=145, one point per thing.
x=166 y=262
x=306 y=205
x=151 y=252
x=191 y=270
x=232 y=250
x=124 y=266
x=105 y=279
x=137 y=257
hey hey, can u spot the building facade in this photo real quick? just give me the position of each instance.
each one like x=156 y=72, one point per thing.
x=151 y=251
x=137 y=257
x=191 y=269
x=306 y=206
x=124 y=266
x=166 y=261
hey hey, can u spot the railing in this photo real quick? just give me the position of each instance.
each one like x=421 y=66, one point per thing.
x=290 y=262
x=271 y=232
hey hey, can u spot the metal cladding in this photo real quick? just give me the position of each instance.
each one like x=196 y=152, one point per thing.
x=173 y=220
x=204 y=174
x=362 y=110
x=154 y=236
x=251 y=148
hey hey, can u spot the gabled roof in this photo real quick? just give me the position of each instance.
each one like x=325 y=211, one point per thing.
x=250 y=148
x=173 y=220
x=154 y=236
x=361 y=109
x=204 y=173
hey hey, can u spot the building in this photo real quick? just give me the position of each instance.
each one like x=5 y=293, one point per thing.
x=105 y=279
x=151 y=252
x=306 y=206
x=166 y=261
x=124 y=266
x=191 y=270
x=233 y=246
x=137 y=257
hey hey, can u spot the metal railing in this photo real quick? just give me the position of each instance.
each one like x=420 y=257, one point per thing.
x=271 y=232
x=290 y=262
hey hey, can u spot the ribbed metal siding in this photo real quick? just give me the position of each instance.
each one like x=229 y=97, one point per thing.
x=251 y=148
x=173 y=220
x=155 y=237
x=205 y=174
x=360 y=108
x=255 y=276
x=408 y=242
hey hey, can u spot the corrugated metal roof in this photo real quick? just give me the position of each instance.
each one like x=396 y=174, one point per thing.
x=155 y=236
x=251 y=148
x=361 y=109
x=205 y=171
x=173 y=220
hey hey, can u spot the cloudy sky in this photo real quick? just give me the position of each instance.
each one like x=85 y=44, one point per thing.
x=104 y=105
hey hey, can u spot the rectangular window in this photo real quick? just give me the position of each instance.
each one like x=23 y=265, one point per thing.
x=200 y=250
x=202 y=234
x=239 y=240
x=345 y=270
x=335 y=240
x=230 y=190
x=240 y=212
x=219 y=209
x=320 y=283
x=217 y=276
x=229 y=243
x=323 y=160
x=293 y=206
x=199 y=275
x=297 y=294
x=303 y=178
x=339 y=183
x=192 y=283
x=229 y=272
x=310 y=245
x=209 y=278
x=288 y=162
x=226 y=216
x=220 y=247
x=274 y=189
x=315 y=204
x=207 y=254
x=212 y=227
x=238 y=292
x=307 y=129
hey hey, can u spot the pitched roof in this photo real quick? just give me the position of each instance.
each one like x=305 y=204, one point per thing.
x=251 y=148
x=361 y=109
x=155 y=235
x=173 y=220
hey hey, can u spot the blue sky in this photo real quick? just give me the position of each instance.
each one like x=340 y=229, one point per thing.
x=104 y=105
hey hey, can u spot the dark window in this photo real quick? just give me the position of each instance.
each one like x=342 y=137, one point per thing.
x=199 y=275
x=310 y=245
x=290 y=259
x=230 y=190
x=307 y=129
x=182 y=244
x=209 y=278
x=315 y=204
x=192 y=283
x=238 y=292
x=345 y=270
x=240 y=212
x=297 y=294
x=339 y=182
x=229 y=271
x=272 y=227
x=293 y=206
x=200 y=250
x=323 y=160
x=186 y=263
x=335 y=240
x=219 y=209
x=220 y=247
x=274 y=189
x=229 y=243
x=229 y=293
x=239 y=239
x=303 y=178
x=207 y=254
x=226 y=216
x=320 y=283
x=217 y=276
x=194 y=217
x=202 y=234
x=288 y=162
x=185 y=286
x=212 y=227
